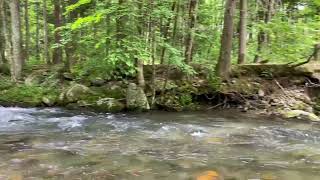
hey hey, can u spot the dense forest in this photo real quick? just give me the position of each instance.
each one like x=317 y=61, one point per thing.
x=116 y=38
x=145 y=42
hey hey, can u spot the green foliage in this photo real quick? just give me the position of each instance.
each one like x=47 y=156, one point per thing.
x=77 y=5
x=214 y=82
x=185 y=99
x=286 y=40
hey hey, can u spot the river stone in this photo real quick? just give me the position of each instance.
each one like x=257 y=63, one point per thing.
x=109 y=105
x=299 y=114
x=48 y=101
x=76 y=92
x=136 y=98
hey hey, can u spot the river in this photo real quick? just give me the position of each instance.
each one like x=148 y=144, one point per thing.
x=61 y=144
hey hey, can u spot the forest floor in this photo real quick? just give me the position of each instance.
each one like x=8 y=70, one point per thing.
x=271 y=89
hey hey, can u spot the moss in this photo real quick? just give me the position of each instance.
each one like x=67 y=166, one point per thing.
x=26 y=95
x=176 y=102
x=242 y=86
x=116 y=93
x=109 y=105
x=5 y=83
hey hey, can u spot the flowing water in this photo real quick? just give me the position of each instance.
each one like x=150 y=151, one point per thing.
x=59 y=144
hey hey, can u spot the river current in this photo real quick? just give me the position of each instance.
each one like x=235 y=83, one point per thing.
x=61 y=144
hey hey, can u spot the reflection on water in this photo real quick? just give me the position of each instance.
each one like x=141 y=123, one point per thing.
x=57 y=144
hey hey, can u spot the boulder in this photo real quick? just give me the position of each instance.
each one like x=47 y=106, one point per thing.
x=76 y=92
x=159 y=84
x=68 y=76
x=299 y=114
x=136 y=98
x=97 y=82
x=109 y=105
x=48 y=101
x=34 y=79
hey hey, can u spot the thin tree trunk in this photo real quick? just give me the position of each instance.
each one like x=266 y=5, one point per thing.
x=243 y=32
x=108 y=30
x=37 y=10
x=16 y=64
x=173 y=42
x=70 y=47
x=27 y=29
x=46 y=33
x=223 y=67
x=57 y=52
x=2 y=37
x=191 y=30
x=153 y=51
x=316 y=52
x=121 y=21
x=7 y=39
x=263 y=38
x=140 y=62
x=166 y=33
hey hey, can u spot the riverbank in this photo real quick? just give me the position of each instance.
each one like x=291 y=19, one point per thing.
x=273 y=89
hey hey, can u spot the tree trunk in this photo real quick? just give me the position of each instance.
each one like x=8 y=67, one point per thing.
x=16 y=64
x=70 y=47
x=266 y=16
x=27 y=29
x=140 y=62
x=243 y=32
x=2 y=37
x=57 y=52
x=153 y=51
x=223 y=67
x=46 y=33
x=191 y=30
x=7 y=39
x=316 y=52
x=121 y=21
x=165 y=34
x=37 y=10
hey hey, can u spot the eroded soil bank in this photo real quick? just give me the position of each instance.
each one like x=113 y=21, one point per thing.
x=272 y=89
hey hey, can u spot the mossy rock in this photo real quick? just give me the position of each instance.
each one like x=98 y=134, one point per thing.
x=159 y=85
x=26 y=95
x=109 y=105
x=76 y=92
x=176 y=102
x=136 y=98
x=299 y=114
x=241 y=86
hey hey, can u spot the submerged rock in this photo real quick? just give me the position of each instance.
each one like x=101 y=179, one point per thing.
x=136 y=98
x=209 y=175
x=299 y=114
